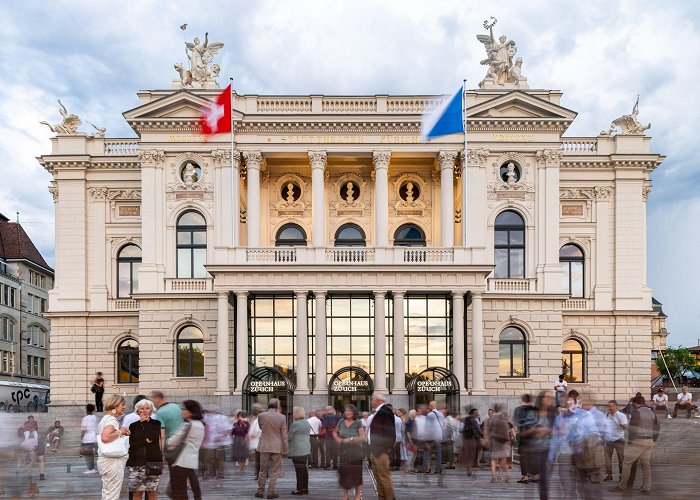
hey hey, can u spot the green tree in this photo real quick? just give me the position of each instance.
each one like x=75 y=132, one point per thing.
x=678 y=360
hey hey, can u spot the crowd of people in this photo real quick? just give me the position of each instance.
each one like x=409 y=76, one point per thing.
x=556 y=436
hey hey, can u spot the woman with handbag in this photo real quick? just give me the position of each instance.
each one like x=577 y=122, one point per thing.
x=112 y=448
x=145 y=455
x=349 y=434
x=300 y=449
x=183 y=452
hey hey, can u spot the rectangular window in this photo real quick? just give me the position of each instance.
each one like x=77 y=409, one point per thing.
x=350 y=332
x=8 y=329
x=428 y=327
x=273 y=332
x=5 y=358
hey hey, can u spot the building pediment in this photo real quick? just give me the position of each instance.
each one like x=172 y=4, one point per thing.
x=517 y=107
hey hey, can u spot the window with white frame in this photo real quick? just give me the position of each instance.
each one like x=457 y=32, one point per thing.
x=8 y=329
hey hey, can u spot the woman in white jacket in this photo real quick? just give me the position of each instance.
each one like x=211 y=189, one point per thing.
x=190 y=437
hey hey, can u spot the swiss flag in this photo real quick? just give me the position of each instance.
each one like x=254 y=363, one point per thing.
x=217 y=117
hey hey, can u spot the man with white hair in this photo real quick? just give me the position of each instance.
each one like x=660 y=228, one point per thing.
x=382 y=436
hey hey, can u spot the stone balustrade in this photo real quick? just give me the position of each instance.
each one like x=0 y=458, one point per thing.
x=188 y=285
x=579 y=145
x=122 y=147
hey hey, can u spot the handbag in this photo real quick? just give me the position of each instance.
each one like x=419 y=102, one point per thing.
x=154 y=468
x=172 y=455
x=93 y=388
x=118 y=448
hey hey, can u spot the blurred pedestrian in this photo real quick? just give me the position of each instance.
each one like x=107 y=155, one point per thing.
x=471 y=440
x=381 y=435
x=524 y=417
x=350 y=434
x=217 y=437
x=273 y=444
x=185 y=444
x=410 y=443
x=111 y=468
x=314 y=439
x=145 y=452
x=253 y=437
x=328 y=423
x=239 y=447
x=560 y=450
x=169 y=414
x=540 y=436
x=497 y=438
x=615 y=438
x=88 y=439
x=434 y=421
x=299 y=449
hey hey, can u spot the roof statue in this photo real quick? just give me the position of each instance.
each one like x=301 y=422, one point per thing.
x=628 y=124
x=100 y=131
x=504 y=71
x=201 y=72
x=69 y=125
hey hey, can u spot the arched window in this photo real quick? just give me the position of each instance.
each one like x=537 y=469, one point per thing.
x=190 y=352
x=128 y=262
x=509 y=245
x=290 y=235
x=572 y=269
x=512 y=353
x=409 y=235
x=573 y=361
x=128 y=362
x=350 y=235
x=191 y=245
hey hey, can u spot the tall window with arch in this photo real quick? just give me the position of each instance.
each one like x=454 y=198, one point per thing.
x=128 y=362
x=572 y=269
x=509 y=245
x=190 y=352
x=191 y=245
x=573 y=361
x=512 y=353
x=128 y=262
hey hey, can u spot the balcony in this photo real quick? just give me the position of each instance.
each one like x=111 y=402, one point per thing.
x=577 y=305
x=188 y=285
x=498 y=285
x=123 y=305
x=352 y=256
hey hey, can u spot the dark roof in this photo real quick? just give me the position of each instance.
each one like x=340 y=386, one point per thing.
x=658 y=307
x=15 y=244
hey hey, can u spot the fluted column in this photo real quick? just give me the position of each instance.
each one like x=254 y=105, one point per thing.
x=381 y=159
x=241 y=339
x=302 y=339
x=253 y=161
x=379 y=342
x=477 y=343
x=320 y=385
x=222 y=352
x=447 y=226
x=399 y=344
x=458 y=337
x=317 y=159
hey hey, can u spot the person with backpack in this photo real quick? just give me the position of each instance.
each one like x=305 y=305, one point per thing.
x=497 y=438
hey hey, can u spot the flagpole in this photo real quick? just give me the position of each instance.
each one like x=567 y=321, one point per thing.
x=464 y=164
x=235 y=183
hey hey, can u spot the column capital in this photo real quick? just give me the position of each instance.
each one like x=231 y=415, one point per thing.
x=222 y=157
x=380 y=160
x=378 y=293
x=223 y=295
x=298 y=293
x=398 y=293
x=253 y=160
x=458 y=294
x=240 y=293
x=320 y=293
x=477 y=294
x=318 y=160
x=447 y=158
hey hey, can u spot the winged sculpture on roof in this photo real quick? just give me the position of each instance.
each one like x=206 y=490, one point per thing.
x=69 y=125
x=628 y=124
x=503 y=70
x=200 y=56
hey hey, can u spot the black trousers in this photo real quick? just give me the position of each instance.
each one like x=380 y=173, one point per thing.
x=98 y=401
x=302 y=472
x=178 y=483
x=331 y=452
x=316 y=449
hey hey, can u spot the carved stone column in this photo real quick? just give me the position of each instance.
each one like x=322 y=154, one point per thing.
x=320 y=385
x=222 y=343
x=302 y=340
x=318 y=160
x=379 y=342
x=399 y=345
x=253 y=161
x=228 y=208
x=458 y=337
x=241 y=339
x=478 y=386
x=447 y=227
x=380 y=160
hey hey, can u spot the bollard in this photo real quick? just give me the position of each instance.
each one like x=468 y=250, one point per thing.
x=68 y=468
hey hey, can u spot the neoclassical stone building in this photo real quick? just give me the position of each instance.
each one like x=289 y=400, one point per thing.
x=334 y=253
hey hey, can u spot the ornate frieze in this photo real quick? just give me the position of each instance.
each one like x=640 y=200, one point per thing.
x=222 y=157
x=602 y=192
x=549 y=157
x=98 y=193
x=151 y=157
x=477 y=157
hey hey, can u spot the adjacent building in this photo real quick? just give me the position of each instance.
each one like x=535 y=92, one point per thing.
x=332 y=253
x=25 y=281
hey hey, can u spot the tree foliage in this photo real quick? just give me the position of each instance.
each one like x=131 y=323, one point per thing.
x=678 y=360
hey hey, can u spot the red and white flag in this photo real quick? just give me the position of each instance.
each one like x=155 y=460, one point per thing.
x=217 y=117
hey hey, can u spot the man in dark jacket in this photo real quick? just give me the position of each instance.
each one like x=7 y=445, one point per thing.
x=330 y=447
x=382 y=436
x=471 y=434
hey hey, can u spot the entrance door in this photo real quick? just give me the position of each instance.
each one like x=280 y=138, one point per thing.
x=265 y=383
x=361 y=401
x=264 y=397
x=350 y=385
x=433 y=384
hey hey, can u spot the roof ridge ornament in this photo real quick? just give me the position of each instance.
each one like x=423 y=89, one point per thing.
x=503 y=72
x=628 y=124
x=201 y=72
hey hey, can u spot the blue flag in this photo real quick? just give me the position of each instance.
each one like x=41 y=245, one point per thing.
x=445 y=119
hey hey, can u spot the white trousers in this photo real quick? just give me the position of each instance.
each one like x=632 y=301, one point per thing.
x=112 y=472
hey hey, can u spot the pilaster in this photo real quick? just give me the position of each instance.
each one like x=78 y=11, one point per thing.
x=446 y=160
x=318 y=161
x=253 y=161
x=380 y=160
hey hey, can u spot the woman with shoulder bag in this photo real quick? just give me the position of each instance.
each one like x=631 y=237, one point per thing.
x=112 y=448
x=145 y=455
x=183 y=452
x=300 y=449
x=349 y=434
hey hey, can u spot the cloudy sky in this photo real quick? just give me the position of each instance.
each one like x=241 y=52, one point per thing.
x=601 y=54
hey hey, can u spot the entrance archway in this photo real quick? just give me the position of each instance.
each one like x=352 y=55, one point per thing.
x=350 y=385
x=265 y=383
x=433 y=384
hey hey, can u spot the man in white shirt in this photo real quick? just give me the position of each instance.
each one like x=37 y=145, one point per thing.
x=316 y=445
x=560 y=389
x=617 y=423
x=434 y=421
x=684 y=402
x=661 y=402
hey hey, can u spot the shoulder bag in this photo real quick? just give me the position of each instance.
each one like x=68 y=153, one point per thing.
x=172 y=455
x=118 y=448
